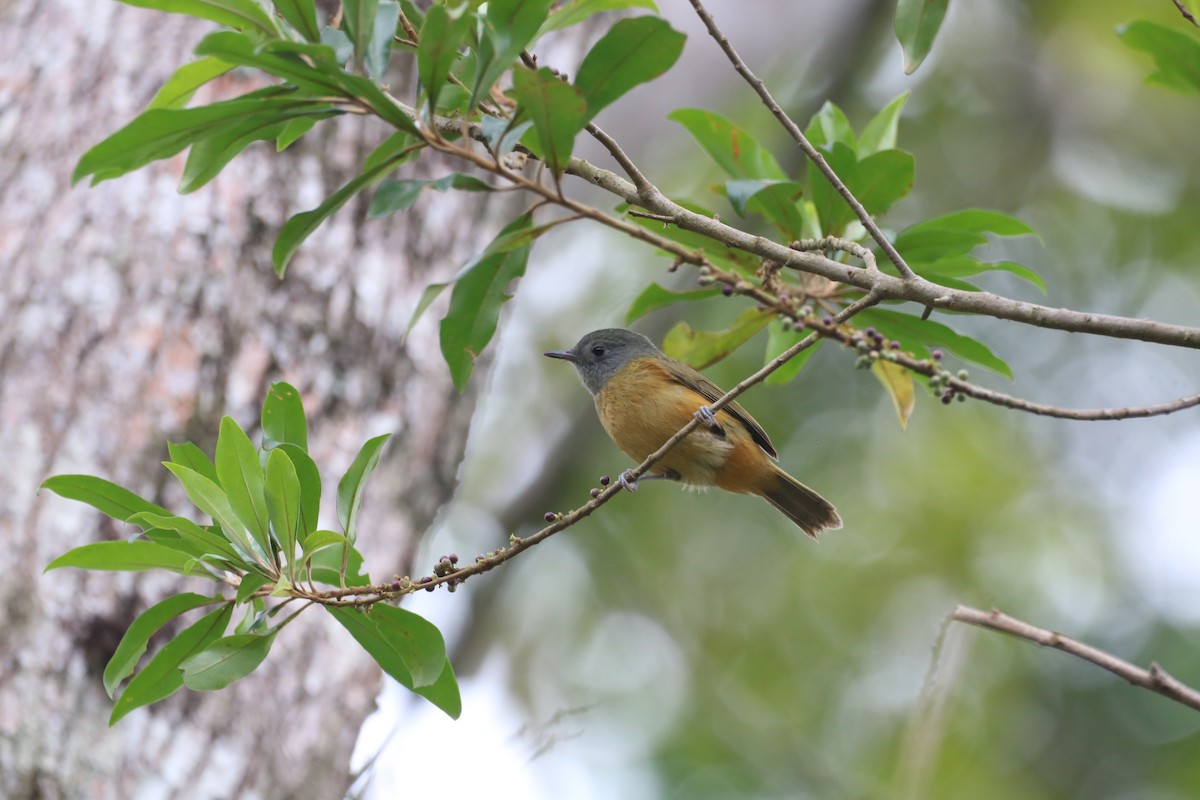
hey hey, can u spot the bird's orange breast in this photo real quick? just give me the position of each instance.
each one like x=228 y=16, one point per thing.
x=643 y=405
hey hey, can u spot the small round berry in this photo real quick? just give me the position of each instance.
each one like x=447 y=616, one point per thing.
x=595 y=493
x=727 y=290
x=963 y=374
x=395 y=586
x=549 y=517
x=604 y=480
x=453 y=558
x=937 y=355
x=946 y=398
x=870 y=332
x=894 y=345
x=827 y=320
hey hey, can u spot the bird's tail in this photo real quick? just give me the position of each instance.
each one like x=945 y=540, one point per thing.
x=802 y=505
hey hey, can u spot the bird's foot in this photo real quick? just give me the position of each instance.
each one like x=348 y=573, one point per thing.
x=706 y=415
x=627 y=480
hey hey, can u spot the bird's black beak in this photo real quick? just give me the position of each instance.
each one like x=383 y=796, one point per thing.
x=565 y=355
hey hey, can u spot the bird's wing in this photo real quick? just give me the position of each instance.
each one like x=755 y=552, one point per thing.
x=692 y=379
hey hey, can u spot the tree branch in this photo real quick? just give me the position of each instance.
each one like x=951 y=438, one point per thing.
x=1155 y=679
x=798 y=136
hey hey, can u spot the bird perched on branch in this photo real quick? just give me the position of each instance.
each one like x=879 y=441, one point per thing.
x=644 y=396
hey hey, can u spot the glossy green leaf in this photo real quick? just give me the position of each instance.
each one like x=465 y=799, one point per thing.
x=337 y=40
x=133 y=644
x=925 y=244
x=161 y=677
x=700 y=349
x=779 y=340
x=633 y=52
x=880 y=133
x=966 y=266
x=975 y=220
x=509 y=25
x=164 y=132
x=314 y=73
x=734 y=150
x=1175 y=53
x=250 y=584
x=293 y=130
x=122 y=556
x=358 y=21
x=479 y=292
x=353 y=484
x=829 y=127
x=558 y=112
x=832 y=211
x=430 y=294
x=881 y=179
x=212 y=500
x=283 y=417
x=107 y=497
x=283 y=503
x=917 y=25
x=203 y=541
x=503 y=135
x=237 y=14
x=241 y=477
x=404 y=645
x=654 y=297
x=318 y=540
x=189 y=455
x=310 y=489
x=441 y=35
x=210 y=155
x=379 y=50
x=302 y=16
x=396 y=195
x=575 y=11
x=226 y=660
x=326 y=566
x=916 y=335
x=180 y=87
x=773 y=200
x=389 y=155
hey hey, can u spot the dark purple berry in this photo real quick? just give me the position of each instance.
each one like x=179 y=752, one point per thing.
x=453 y=558
x=604 y=480
x=727 y=291
x=549 y=516
x=827 y=320
x=937 y=355
x=395 y=586
x=894 y=345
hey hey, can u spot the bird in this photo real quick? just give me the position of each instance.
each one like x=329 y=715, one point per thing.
x=643 y=397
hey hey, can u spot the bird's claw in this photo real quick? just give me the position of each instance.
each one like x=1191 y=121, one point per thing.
x=627 y=480
x=706 y=415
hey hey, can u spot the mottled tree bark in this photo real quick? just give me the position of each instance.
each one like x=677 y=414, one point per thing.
x=129 y=315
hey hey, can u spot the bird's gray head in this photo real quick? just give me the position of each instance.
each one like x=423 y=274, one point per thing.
x=601 y=354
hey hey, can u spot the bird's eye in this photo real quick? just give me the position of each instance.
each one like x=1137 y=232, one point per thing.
x=598 y=351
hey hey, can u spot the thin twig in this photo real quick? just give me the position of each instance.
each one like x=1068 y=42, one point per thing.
x=1186 y=14
x=798 y=136
x=1155 y=679
x=631 y=169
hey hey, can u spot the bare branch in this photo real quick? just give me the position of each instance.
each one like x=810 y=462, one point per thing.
x=1186 y=14
x=794 y=131
x=1155 y=679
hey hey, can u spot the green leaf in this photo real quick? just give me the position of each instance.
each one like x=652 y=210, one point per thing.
x=441 y=35
x=133 y=643
x=383 y=31
x=250 y=584
x=161 y=677
x=189 y=455
x=180 y=87
x=654 y=297
x=202 y=541
x=241 y=477
x=343 y=48
x=832 y=210
x=310 y=489
x=917 y=24
x=722 y=255
x=164 y=132
x=829 y=127
x=293 y=130
x=881 y=179
x=309 y=67
x=396 y=195
x=479 y=292
x=509 y=25
x=404 y=645
x=283 y=503
x=966 y=266
x=576 y=11
x=318 y=540
x=211 y=499
x=107 y=497
x=558 y=111
x=1176 y=54
x=427 y=297
x=700 y=349
x=238 y=14
x=353 y=483
x=503 y=135
x=633 y=52
x=226 y=660
x=386 y=157
x=880 y=133
x=283 y=417
x=779 y=340
x=301 y=15
x=339 y=566
x=734 y=150
x=774 y=200
x=122 y=556
x=975 y=220
x=916 y=335
x=358 y=20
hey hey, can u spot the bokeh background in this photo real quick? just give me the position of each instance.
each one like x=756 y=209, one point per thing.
x=680 y=645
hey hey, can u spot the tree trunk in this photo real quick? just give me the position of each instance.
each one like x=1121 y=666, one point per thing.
x=130 y=315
